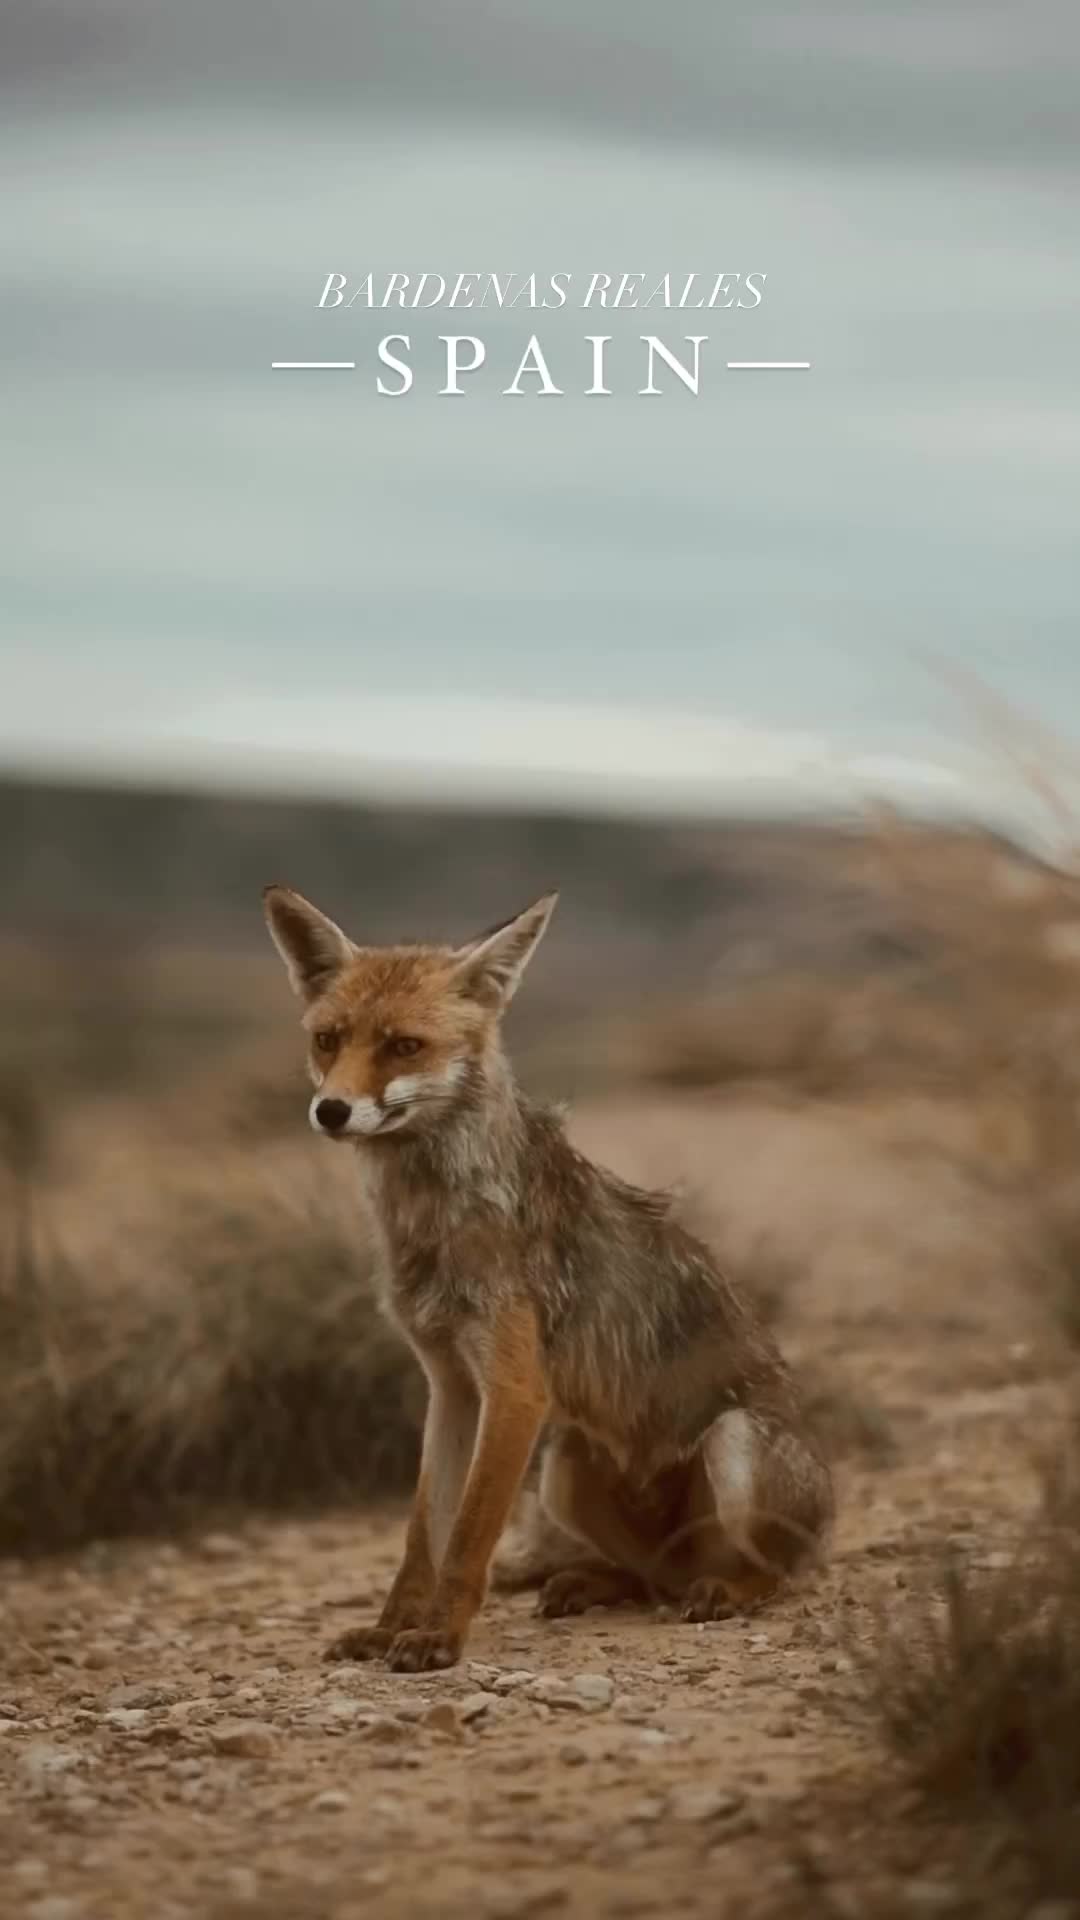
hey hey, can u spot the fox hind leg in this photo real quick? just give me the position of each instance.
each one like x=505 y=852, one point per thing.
x=717 y=1534
x=763 y=1499
x=621 y=1535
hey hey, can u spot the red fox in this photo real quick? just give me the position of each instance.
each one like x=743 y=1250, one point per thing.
x=542 y=1295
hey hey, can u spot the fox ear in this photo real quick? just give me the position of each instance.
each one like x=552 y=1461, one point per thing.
x=491 y=966
x=313 y=948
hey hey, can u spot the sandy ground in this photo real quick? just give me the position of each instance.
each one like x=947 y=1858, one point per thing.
x=172 y=1744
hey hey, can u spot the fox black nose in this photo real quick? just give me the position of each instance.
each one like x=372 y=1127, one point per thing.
x=332 y=1114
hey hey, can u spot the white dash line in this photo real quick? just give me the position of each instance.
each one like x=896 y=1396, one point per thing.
x=775 y=366
x=294 y=364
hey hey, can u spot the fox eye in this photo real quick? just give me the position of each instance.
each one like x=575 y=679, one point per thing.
x=326 y=1042
x=402 y=1045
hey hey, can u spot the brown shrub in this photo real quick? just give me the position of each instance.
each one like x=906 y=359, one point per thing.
x=1059 y=1255
x=238 y=1357
x=971 y=989
x=979 y=1695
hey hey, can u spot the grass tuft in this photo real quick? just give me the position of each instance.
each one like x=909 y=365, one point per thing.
x=979 y=1696
x=244 y=1361
x=1060 y=1256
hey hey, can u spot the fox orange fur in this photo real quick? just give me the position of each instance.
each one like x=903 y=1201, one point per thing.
x=543 y=1297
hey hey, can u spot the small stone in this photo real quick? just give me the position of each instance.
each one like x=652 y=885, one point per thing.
x=620 y=1844
x=387 y=1808
x=725 y=1831
x=242 y=1884
x=30 y=1872
x=142 y=1694
x=442 y=1718
x=595 y=1689
x=243 y=1739
x=331 y=1800
x=698 y=1803
x=167 y=1733
x=476 y=1705
x=512 y=1678
x=585 y=1691
x=82 y=1805
x=221 y=1546
x=572 y=1756
x=383 y=1727
x=44 y=1762
x=551 y=1690
x=339 y=1711
x=125 y=1719
x=646 y=1811
x=931 y=1896
x=512 y=1903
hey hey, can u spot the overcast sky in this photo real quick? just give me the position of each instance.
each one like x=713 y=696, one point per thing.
x=219 y=569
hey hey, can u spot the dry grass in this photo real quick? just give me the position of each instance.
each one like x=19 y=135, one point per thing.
x=974 y=1026
x=973 y=982
x=1060 y=1255
x=978 y=1692
x=233 y=1354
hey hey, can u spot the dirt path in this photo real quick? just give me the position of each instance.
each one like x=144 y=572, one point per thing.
x=171 y=1744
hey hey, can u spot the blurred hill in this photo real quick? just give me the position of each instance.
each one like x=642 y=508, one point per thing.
x=103 y=884
x=811 y=953
x=735 y=895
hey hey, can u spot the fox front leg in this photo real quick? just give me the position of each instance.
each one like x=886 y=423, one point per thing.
x=513 y=1410
x=449 y=1442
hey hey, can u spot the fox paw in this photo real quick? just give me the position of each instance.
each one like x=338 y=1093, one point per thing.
x=564 y=1593
x=577 y=1589
x=707 y=1599
x=360 y=1643
x=419 y=1650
